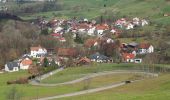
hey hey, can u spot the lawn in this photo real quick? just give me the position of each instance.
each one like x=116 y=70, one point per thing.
x=77 y=72
x=28 y=92
x=150 y=9
x=149 y=89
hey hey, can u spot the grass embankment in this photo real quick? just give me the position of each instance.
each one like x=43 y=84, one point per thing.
x=149 y=89
x=78 y=72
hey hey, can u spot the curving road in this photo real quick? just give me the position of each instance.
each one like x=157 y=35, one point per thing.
x=91 y=76
x=94 y=75
x=84 y=92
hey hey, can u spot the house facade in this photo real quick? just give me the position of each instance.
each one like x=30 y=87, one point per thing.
x=131 y=58
x=25 y=63
x=145 y=48
x=99 y=58
x=37 y=52
x=12 y=67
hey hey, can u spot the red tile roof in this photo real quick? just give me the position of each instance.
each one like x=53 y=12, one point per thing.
x=84 y=60
x=83 y=26
x=90 y=42
x=26 y=62
x=67 y=52
x=102 y=27
x=144 y=45
x=128 y=56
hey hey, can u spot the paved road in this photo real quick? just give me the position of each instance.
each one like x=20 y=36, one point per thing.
x=94 y=75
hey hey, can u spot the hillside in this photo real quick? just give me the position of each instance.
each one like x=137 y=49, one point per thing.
x=151 y=9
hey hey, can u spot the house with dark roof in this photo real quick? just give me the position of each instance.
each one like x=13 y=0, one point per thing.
x=12 y=67
x=99 y=58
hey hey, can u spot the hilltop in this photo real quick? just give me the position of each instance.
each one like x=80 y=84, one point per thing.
x=156 y=10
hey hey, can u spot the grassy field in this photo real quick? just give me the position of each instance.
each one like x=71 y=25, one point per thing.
x=28 y=92
x=77 y=72
x=151 y=9
x=149 y=89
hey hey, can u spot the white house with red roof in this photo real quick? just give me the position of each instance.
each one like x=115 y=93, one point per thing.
x=145 y=48
x=129 y=26
x=100 y=28
x=128 y=57
x=131 y=58
x=121 y=22
x=25 y=63
x=37 y=52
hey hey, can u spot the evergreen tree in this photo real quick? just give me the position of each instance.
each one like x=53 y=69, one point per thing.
x=46 y=63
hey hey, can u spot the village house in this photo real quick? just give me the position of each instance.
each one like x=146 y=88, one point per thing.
x=12 y=66
x=121 y=22
x=129 y=26
x=83 y=27
x=58 y=29
x=37 y=52
x=25 y=63
x=91 y=30
x=99 y=58
x=83 y=61
x=66 y=52
x=89 y=43
x=144 y=22
x=136 y=21
x=130 y=58
x=145 y=48
x=100 y=28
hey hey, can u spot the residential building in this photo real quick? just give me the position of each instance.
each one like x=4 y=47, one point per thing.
x=12 y=66
x=37 y=52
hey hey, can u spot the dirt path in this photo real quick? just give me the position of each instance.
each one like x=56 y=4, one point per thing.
x=96 y=89
x=94 y=75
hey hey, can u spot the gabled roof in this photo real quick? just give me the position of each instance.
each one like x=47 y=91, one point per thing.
x=128 y=56
x=84 y=60
x=83 y=26
x=144 y=45
x=67 y=52
x=26 y=61
x=99 y=57
x=90 y=42
x=133 y=44
x=11 y=65
x=102 y=27
x=36 y=48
